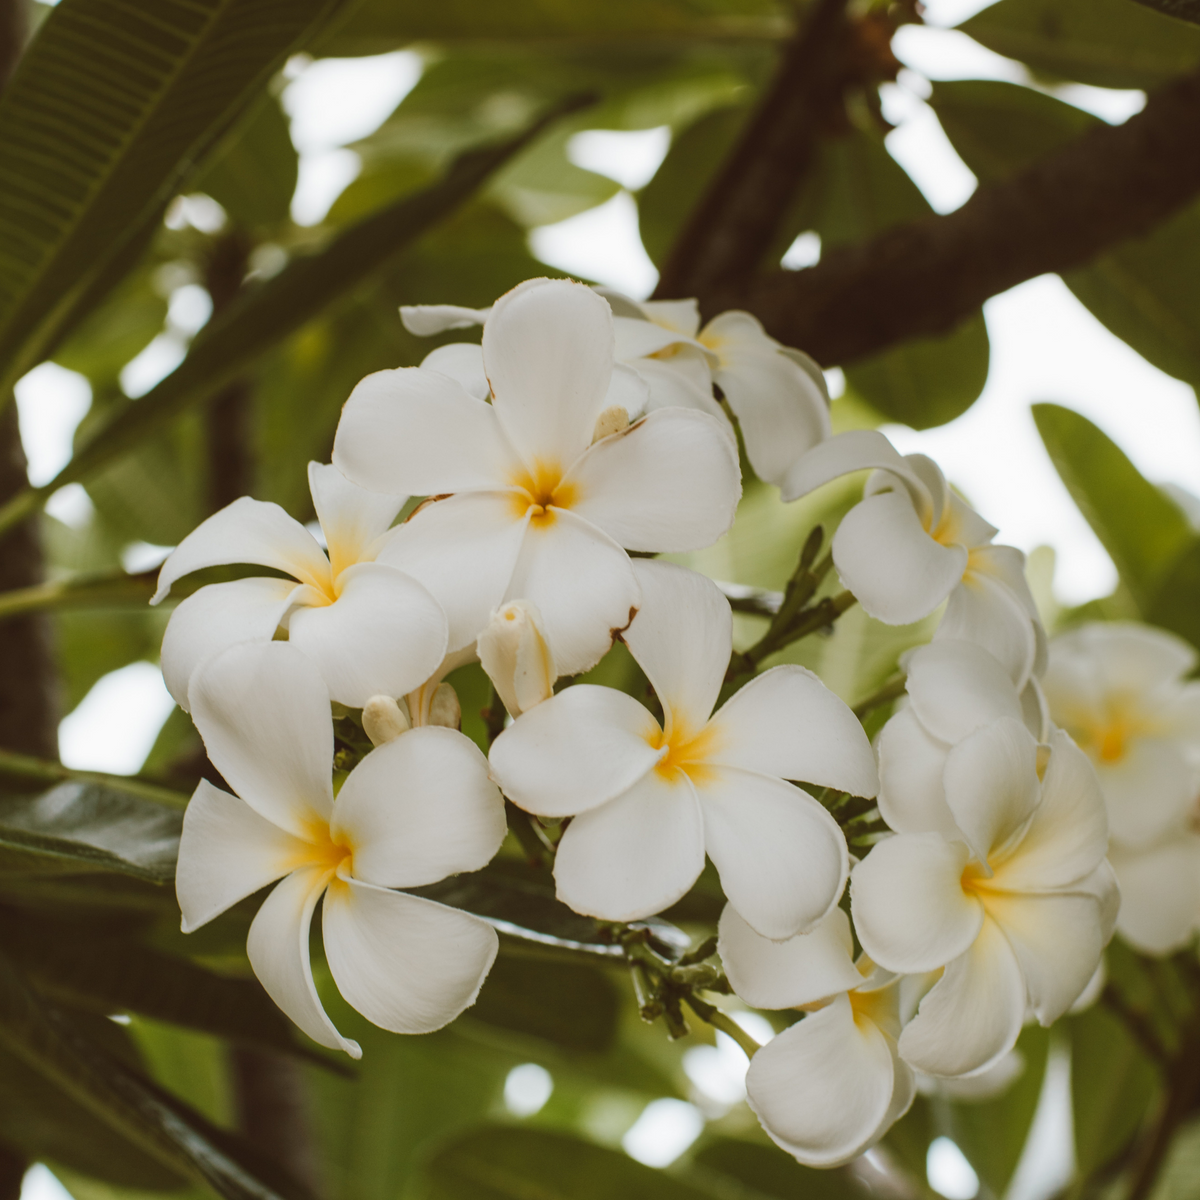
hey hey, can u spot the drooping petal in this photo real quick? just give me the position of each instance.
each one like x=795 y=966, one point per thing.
x=407 y=964
x=855 y=450
x=936 y=485
x=788 y=723
x=411 y=431
x=1160 y=893
x=992 y=786
x=972 y=1016
x=669 y=483
x=1067 y=837
x=782 y=858
x=352 y=518
x=1149 y=790
x=1058 y=940
x=463 y=362
x=982 y=610
x=635 y=855
x=263 y=712
x=424 y=320
x=681 y=638
x=420 y=808
x=218 y=616
x=226 y=853
x=801 y=970
x=961 y=523
x=912 y=798
x=464 y=550
x=910 y=910
x=823 y=1087
x=278 y=951
x=582 y=583
x=896 y=570
x=548 y=351
x=383 y=636
x=956 y=686
x=247 y=531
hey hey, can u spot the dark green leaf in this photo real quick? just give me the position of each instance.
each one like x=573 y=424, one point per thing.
x=528 y=1164
x=107 y=113
x=1176 y=605
x=773 y=1173
x=1185 y=10
x=1142 y=530
x=1108 y=43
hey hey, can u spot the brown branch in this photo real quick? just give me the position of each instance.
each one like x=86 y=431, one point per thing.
x=922 y=279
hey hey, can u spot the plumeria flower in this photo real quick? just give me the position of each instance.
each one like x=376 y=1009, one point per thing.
x=829 y=1087
x=369 y=627
x=1016 y=908
x=516 y=656
x=537 y=509
x=412 y=812
x=1160 y=890
x=912 y=544
x=647 y=801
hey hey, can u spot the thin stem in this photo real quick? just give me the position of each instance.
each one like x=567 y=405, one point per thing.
x=892 y=690
x=724 y=1022
x=107 y=588
x=25 y=766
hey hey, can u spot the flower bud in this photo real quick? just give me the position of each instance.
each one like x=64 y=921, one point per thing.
x=384 y=720
x=612 y=420
x=516 y=657
x=444 y=708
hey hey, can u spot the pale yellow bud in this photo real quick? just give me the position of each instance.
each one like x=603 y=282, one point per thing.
x=516 y=657
x=611 y=420
x=384 y=720
x=444 y=708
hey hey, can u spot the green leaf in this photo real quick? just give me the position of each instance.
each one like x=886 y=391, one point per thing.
x=774 y=1173
x=108 y=111
x=1143 y=531
x=505 y=1163
x=1185 y=10
x=1176 y=605
x=1108 y=43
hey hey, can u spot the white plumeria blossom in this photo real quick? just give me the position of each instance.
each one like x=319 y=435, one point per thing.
x=1120 y=690
x=514 y=653
x=648 y=801
x=833 y=1084
x=1017 y=907
x=911 y=544
x=410 y=813
x=371 y=628
x=535 y=508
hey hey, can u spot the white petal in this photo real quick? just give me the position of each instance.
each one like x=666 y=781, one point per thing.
x=855 y=450
x=957 y=686
x=548 y=351
x=910 y=911
x=823 y=1087
x=1160 y=893
x=417 y=432
x=424 y=320
x=247 y=531
x=420 y=808
x=352 y=518
x=407 y=964
x=1150 y=789
x=635 y=338
x=669 y=483
x=463 y=549
x=1132 y=657
x=801 y=970
x=912 y=798
x=962 y=524
x=992 y=786
x=983 y=610
x=216 y=617
x=635 y=855
x=278 y=951
x=628 y=390
x=263 y=712
x=1067 y=837
x=972 y=1016
x=226 y=853
x=680 y=315
x=788 y=723
x=582 y=583
x=896 y=570
x=681 y=637
x=782 y=858
x=574 y=751
x=1057 y=938
x=463 y=362
x=383 y=636
x=682 y=381
x=935 y=483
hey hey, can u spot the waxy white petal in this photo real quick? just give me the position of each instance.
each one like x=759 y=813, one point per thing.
x=420 y=808
x=1151 y=788
x=463 y=362
x=575 y=751
x=635 y=338
x=781 y=857
x=682 y=381
x=957 y=686
x=407 y=964
x=912 y=798
x=1160 y=893
x=1130 y=656
x=855 y=450
x=635 y=855
x=983 y=610
x=263 y=712
x=425 y=320
x=352 y=518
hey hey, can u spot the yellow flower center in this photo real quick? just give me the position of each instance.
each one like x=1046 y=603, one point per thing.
x=687 y=753
x=325 y=851
x=1108 y=734
x=541 y=491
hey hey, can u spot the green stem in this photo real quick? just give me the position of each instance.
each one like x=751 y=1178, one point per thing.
x=19 y=507
x=724 y=1022
x=107 y=588
x=892 y=690
x=24 y=766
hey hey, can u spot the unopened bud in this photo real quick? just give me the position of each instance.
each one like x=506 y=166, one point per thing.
x=384 y=720
x=444 y=708
x=611 y=420
x=516 y=656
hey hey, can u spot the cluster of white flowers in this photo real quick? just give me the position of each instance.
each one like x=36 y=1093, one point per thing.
x=584 y=427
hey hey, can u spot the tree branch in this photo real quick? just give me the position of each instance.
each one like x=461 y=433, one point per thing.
x=921 y=279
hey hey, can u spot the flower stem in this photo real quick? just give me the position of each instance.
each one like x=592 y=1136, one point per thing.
x=892 y=690
x=724 y=1022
